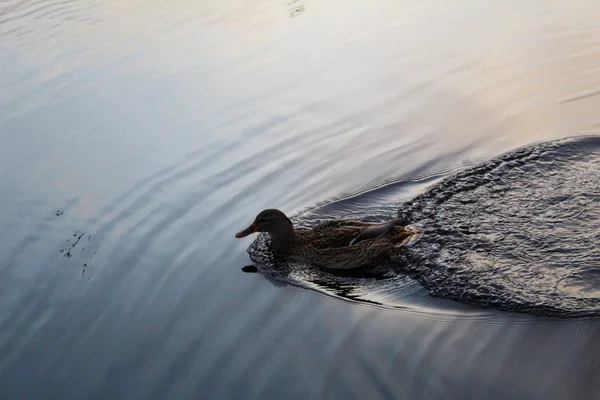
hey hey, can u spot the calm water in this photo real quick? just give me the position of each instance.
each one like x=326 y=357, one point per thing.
x=137 y=138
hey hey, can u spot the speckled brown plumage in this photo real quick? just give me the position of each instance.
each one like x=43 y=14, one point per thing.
x=339 y=244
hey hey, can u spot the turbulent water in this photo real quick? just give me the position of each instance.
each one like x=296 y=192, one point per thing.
x=520 y=233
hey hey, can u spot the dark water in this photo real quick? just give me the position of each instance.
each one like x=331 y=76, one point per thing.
x=521 y=232
x=137 y=138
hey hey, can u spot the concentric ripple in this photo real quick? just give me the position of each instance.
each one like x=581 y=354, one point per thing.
x=520 y=233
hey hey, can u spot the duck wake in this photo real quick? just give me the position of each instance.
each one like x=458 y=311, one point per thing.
x=519 y=233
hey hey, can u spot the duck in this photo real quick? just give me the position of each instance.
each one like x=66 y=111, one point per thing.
x=335 y=244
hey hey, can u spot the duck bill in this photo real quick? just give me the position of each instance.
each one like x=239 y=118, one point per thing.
x=248 y=231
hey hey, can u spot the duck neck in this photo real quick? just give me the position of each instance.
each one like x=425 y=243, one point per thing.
x=283 y=239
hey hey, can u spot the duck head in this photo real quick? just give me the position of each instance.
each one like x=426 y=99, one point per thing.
x=272 y=221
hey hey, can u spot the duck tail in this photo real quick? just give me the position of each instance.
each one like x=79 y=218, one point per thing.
x=417 y=233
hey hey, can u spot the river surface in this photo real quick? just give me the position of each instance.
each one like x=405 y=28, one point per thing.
x=136 y=138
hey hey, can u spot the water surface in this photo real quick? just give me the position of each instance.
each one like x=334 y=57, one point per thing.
x=137 y=138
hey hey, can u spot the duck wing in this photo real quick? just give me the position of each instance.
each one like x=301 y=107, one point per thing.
x=332 y=234
x=348 y=257
x=375 y=231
